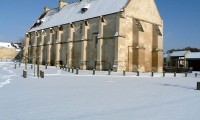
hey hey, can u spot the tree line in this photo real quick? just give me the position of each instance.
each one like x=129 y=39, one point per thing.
x=191 y=49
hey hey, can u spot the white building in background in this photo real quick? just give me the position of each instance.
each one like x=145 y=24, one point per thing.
x=183 y=59
x=9 y=45
x=9 y=51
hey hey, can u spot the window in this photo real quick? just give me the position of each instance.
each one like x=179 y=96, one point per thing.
x=96 y=41
x=56 y=35
x=158 y=30
x=85 y=8
x=51 y=30
x=139 y=25
x=81 y=27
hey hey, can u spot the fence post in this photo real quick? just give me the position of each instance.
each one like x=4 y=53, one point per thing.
x=93 y=72
x=124 y=72
x=63 y=67
x=77 y=71
x=163 y=73
x=174 y=74
x=195 y=74
x=109 y=72
x=24 y=73
x=41 y=73
x=46 y=66
x=152 y=74
x=72 y=69
x=185 y=74
x=138 y=73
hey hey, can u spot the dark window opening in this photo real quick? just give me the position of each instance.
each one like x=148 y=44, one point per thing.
x=96 y=41
x=81 y=27
x=139 y=25
x=56 y=35
x=158 y=30
x=83 y=10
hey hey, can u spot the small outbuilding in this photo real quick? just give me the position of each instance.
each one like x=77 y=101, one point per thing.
x=178 y=58
x=193 y=60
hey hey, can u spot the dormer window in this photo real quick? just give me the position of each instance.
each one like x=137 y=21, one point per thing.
x=36 y=33
x=51 y=30
x=85 y=8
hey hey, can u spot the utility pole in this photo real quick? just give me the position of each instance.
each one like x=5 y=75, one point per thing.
x=25 y=57
x=38 y=62
x=38 y=68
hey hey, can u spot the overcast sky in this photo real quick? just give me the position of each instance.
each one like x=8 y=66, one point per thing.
x=181 y=20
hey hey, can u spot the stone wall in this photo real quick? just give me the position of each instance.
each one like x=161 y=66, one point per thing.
x=6 y=53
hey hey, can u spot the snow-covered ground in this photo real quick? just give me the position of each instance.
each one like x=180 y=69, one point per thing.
x=63 y=95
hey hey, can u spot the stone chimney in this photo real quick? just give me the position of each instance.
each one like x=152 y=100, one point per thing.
x=62 y=4
x=46 y=9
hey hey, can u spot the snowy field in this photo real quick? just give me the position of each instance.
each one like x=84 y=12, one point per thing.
x=62 y=95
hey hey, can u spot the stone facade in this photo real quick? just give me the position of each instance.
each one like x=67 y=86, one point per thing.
x=131 y=40
x=7 y=53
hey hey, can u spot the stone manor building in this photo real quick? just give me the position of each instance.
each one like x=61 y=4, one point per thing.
x=99 y=34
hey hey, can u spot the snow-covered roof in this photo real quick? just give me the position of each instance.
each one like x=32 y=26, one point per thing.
x=166 y=55
x=5 y=45
x=73 y=12
x=178 y=53
x=9 y=45
x=193 y=55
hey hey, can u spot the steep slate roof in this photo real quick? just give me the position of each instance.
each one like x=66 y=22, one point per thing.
x=193 y=56
x=178 y=54
x=72 y=12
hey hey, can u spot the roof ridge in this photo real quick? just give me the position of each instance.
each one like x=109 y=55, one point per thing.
x=72 y=12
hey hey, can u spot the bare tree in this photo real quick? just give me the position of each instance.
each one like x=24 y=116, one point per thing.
x=21 y=43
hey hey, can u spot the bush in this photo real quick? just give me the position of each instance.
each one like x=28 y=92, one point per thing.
x=171 y=69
